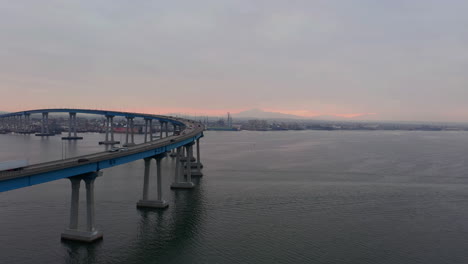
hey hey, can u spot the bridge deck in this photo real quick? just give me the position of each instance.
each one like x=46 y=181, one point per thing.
x=58 y=169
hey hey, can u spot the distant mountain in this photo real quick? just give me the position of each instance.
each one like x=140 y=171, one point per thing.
x=259 y=113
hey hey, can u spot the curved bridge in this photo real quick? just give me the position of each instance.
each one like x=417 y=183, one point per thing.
x=185 y=134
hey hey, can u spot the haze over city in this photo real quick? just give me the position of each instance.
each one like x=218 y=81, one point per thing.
x=351 y=60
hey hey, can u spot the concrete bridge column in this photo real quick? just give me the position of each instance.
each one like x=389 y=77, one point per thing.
x=151 y=129
x=70 y=120
x=178 y=166
x=167 y=129
x=15 y=123
x=146 y=129
x=19 y=124
x=27 y=123
x=72 y=128
x=188 y=170
x=198 y=164
x=161 y=125
x=75 y=202
x=73 y=232
x=111 y=121
x=186 y=183
x=46 y=115
x=45 y=125
x=145 y=202
x=11 y=123
x=129 y=132
x=146 y=178
x=132 y=131
x=74 y=125
x=107 y=127
x=90 y=216
x=109 y=131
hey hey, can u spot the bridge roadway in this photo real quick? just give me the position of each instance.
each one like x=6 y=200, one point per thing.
x=88 y=167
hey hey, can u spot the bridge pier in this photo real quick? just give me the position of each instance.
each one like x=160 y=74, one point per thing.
x=161 y=126
x=109 y=130
x=179 y=171
x=145 y=202
x=198 y=163
x=19 y=122
x=129 y=131
x=151 y=130
x=167 y=129
x=45 y=126
x=73 y=232
x=146 y=130
x=72 y=128
x=26 y=126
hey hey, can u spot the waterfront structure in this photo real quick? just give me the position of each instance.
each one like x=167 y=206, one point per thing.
x=88 y=167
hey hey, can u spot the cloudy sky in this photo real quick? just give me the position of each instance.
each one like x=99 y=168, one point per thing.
x=361 y=59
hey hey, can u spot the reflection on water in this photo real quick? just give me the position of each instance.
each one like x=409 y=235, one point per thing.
x=266 y=197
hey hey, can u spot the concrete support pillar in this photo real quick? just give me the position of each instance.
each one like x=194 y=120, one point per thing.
x=146 y=129
x=198 y=153
x=151 y=129
x=19 y=124
x=72 y=128
x=90 y=217
x=75 y=202
x=27 y=123
x=198 y=164
x=43 y=123
x=189 y=150
x=127 y=131
x=73 y=232
x=178 y=165
x=146 y=178
x=46 y=123
x=145 y=202
x=70 y=120
x=111 y=121
x=161 y=125
x=132 y=131
x=107 y=127
x=159 y=177
x=167 y=129
x=75 y=134
x=186 y=183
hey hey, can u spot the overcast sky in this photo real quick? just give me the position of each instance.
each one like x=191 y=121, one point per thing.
x=362 y=59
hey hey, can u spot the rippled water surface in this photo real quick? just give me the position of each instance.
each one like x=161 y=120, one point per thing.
x=266 y=197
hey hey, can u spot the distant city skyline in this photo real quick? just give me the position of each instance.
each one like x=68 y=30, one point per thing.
x=349 y=60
